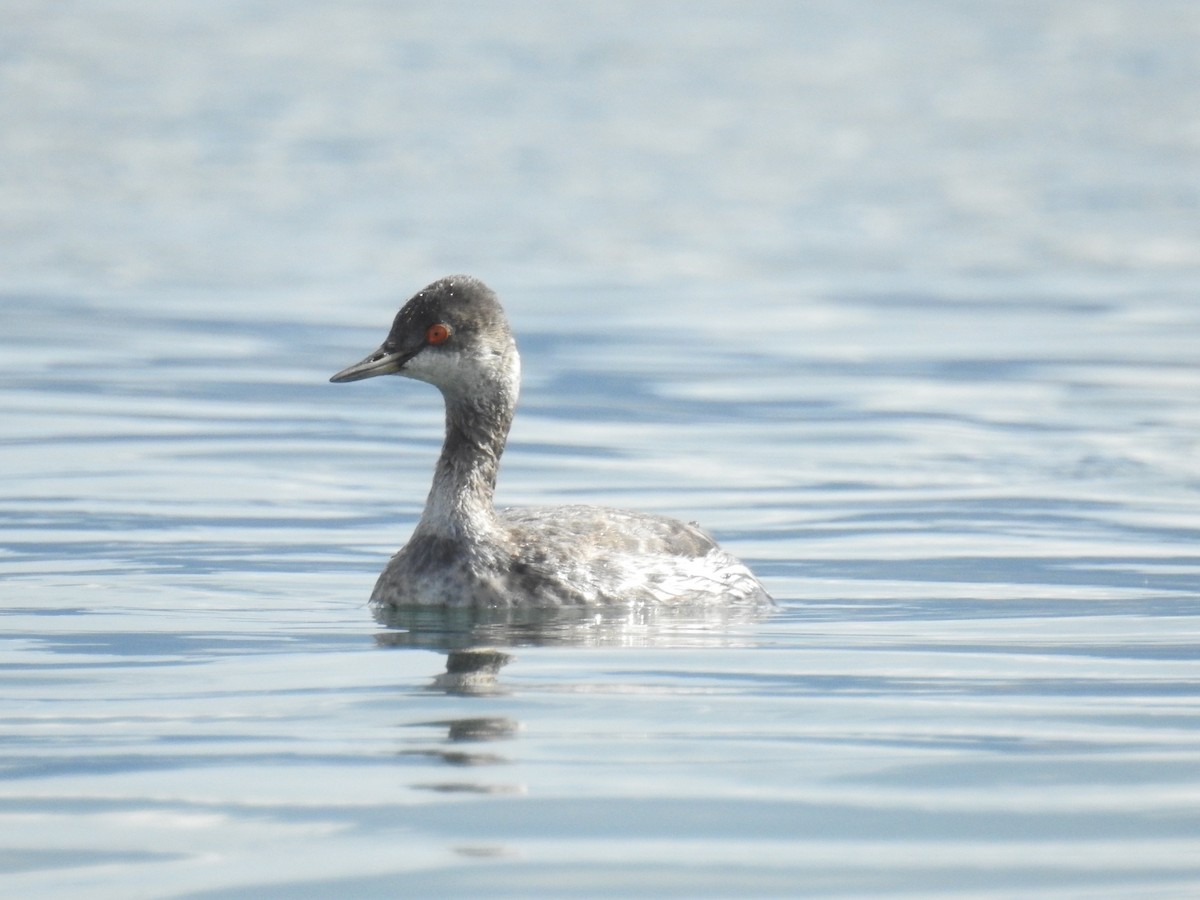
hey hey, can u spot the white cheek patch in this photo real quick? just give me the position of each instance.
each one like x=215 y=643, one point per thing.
x=468 y=372
x=435 y=366
x=457 y=372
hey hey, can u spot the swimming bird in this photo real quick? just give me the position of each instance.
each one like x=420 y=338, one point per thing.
x=464 y=552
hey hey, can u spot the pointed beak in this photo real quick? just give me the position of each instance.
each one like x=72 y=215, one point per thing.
x=381 y=362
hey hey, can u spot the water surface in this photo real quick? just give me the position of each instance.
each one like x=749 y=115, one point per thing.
x=902 y=307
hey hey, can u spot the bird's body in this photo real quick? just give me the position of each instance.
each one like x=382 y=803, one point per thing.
x=464 y=552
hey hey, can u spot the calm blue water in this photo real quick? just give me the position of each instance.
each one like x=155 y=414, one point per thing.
x=899 y=301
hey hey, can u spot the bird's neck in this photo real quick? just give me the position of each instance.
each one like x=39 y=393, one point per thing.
x=460 y=504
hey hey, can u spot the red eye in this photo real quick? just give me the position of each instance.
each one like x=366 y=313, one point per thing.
x=437 y=334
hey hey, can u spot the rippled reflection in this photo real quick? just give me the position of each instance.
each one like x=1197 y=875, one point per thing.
x=469 y=731
x=471 y=638
x=462 y=628
x=471 y=671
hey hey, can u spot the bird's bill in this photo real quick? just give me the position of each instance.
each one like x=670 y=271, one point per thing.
x=381 y=362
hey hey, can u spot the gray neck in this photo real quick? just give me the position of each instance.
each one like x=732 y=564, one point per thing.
x=460 y=504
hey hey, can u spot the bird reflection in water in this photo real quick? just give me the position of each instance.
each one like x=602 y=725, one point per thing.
x=476 y=640
x=450 y=628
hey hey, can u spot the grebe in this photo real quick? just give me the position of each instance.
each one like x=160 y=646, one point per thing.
x=465 y=552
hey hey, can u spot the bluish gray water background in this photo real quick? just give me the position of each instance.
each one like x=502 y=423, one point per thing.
x=900 y=300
